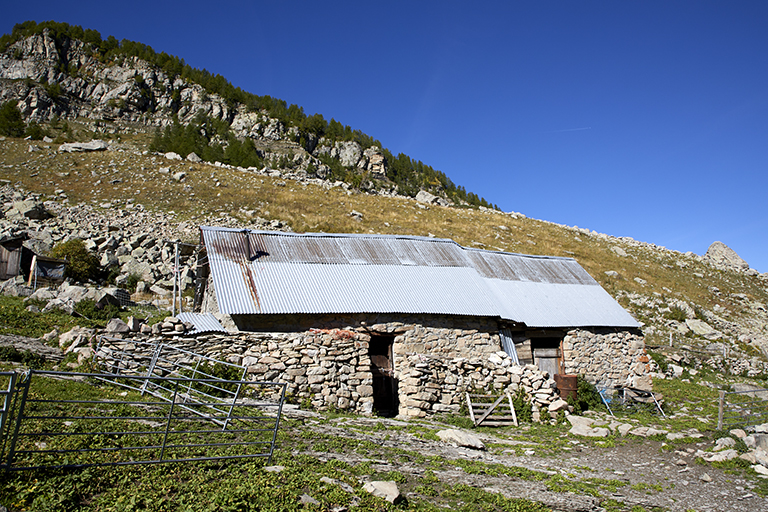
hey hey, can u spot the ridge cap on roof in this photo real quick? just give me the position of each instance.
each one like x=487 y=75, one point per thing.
x=383 y=236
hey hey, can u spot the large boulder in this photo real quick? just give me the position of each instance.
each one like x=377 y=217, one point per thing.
x=81 y=147
x=117 y=326
x=460 y=438
x=383 y=489
x=73 y=293
x=15 y=287
x=703 y=329
x=722 y=256
x=29 y=209
x=66 y=305
x=140 y=268
x=348 y=153
x=75 y=337
x=376 y=163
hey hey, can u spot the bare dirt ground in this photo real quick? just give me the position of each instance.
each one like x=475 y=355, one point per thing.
x=656 y=479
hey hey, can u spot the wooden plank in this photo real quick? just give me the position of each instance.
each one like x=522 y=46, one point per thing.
x=471 y=412
x=546 y=352
x=512 y=408
x=489 y=423
x=489 y=411
x=720 y=410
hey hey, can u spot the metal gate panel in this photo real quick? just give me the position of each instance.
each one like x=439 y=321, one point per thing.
x=115 y=426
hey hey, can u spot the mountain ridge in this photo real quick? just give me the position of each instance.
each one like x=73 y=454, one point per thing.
x=60 y=71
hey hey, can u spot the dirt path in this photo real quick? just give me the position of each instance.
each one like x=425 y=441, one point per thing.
x=654 y=477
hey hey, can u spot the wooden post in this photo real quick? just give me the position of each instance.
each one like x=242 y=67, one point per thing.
x=720 y=411
x=471 y=411
x=33 y=271
x=512 y=408
x=490 y=410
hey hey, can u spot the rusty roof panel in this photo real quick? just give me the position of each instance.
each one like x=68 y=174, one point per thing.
x=442 y=253
x=272 y=272
x=373 y=251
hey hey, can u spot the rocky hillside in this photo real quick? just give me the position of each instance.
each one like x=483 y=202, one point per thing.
x=128 y=200
x=55 y=72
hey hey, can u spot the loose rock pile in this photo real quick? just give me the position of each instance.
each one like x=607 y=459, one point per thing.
x=755 y=441
x=432 y=384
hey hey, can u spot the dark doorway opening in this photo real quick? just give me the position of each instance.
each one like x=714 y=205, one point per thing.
x=384 y=383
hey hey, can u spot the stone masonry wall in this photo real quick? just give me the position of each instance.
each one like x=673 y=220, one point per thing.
x=608 y=357
x=331 y=367
x=429 y=385
x=434 y=365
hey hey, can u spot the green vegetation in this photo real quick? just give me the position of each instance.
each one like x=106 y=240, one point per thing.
x=660 y=360
x=587 y=397
x=677 y=313
x=25 y=357
x=202 y=137
x=90 y=310
x=522 y=406
x=16 y=319
x=82 y=265
x=11 y=122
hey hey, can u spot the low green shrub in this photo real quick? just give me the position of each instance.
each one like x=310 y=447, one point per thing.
x=522 y=405
x=660 y=360
x=132 y=281
x=26 y=357
x=82 y=265
x=676 y=313
x=90 y=310
x=587 y=397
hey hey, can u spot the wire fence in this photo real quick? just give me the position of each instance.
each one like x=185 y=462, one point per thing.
x=107 y=421
x=742 y=408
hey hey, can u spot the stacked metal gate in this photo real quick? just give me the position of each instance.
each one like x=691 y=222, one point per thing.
x=133 y=415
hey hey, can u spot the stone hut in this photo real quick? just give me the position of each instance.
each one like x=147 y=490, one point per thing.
x=404 y=324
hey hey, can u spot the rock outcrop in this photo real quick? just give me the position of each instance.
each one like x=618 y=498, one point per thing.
x=59 y=78
x=722 y=256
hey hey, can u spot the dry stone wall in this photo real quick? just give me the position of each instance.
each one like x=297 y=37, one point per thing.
x=331 y=367
x=434 y=361
x=608 y=357
x=431 y=385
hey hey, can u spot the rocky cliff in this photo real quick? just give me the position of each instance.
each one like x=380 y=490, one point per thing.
x=54 y=79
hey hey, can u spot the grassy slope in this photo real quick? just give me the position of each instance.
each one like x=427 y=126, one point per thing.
x=431 y=475
x=242 y=195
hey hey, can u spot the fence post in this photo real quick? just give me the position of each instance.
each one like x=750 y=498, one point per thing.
x=26 y=380
x=720 y=409
x=151 y=370
x=5 y=414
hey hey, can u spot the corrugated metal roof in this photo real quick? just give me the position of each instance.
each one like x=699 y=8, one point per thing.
x=203 y=322
x=280 y=273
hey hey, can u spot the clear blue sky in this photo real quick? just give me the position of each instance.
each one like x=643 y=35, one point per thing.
x=646 y=119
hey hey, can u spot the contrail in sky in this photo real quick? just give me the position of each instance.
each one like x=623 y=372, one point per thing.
x=571 y=130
